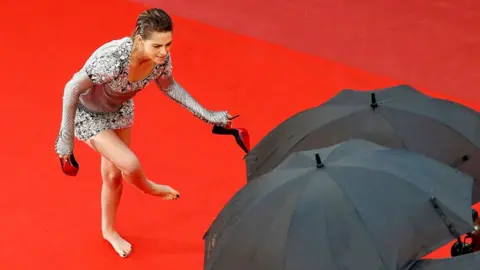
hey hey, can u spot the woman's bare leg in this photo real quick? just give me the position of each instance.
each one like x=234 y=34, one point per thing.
x=112 y=187
x=112 y=190
x=111 y=147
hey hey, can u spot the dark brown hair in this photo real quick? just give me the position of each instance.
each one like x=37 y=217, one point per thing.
x=152 y=20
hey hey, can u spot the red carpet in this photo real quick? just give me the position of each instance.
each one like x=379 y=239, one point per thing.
x=51 y=221
x=430 y=44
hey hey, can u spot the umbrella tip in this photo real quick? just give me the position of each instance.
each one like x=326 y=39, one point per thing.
x=373 y=103
x=319 y=161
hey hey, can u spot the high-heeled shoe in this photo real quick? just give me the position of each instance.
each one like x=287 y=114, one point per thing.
x=241 y=135
x=69 y=165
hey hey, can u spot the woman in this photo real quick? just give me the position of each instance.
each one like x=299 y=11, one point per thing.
x=98 y=109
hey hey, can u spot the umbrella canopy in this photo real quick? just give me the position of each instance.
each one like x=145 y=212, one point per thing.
x=355 y=205
x=396 y=117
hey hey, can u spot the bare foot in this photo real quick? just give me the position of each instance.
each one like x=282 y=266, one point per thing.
x=121 y=246
x=166 y=192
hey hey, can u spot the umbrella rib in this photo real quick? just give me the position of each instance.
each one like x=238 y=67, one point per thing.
x=293 y=213
x=327 y=225
x=361 y=219
x=394 y=130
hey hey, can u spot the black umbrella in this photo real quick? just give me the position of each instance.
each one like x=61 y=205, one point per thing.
x=398 y=117
x=356 y=205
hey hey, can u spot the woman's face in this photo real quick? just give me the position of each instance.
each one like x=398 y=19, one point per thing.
x=157 y=46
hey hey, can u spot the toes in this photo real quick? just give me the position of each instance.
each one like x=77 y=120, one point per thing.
x=171 y=197
x=122 y=247
x=126 y=251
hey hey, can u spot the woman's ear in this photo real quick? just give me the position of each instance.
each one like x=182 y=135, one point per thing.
x=138 y=39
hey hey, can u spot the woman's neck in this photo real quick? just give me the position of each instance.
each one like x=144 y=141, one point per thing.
x=137 y=57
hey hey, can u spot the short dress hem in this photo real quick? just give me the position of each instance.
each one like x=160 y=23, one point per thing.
x=89 y=123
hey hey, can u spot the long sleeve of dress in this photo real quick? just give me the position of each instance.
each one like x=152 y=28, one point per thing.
x=71 y=93
x=176 y=92
x=99 y=70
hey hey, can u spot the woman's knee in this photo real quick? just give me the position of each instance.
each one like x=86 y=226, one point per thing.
x=112 y=176
x=130 y=165
x=114 y=148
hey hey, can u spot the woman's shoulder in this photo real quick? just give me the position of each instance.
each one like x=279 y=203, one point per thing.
x=108 y=60
x=118 y=49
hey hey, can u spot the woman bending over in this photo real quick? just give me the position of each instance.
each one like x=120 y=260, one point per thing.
x=98 y=109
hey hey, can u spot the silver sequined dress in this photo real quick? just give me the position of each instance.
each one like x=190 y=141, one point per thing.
x=99 y=96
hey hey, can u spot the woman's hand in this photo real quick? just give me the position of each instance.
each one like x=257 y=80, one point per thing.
x=230 y=118
x=67 y=156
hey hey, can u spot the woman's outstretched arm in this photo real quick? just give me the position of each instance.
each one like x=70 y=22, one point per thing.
x=167 y=84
